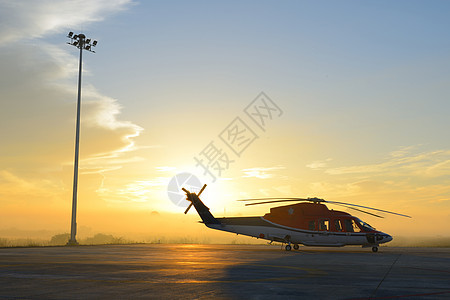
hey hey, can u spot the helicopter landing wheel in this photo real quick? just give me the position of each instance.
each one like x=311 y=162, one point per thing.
x=296 y=246
x=288 y=247
x=374 y=249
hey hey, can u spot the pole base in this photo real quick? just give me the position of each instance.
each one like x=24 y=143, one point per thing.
x=72 y=243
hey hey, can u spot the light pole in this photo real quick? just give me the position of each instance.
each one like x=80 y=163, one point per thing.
x=81 y=42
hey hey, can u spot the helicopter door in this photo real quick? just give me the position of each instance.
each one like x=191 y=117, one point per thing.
x=353 y=236
x=339 y=230
x=325 y=236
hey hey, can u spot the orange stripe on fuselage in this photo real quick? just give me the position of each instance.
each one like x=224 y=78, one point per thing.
x=299 y=215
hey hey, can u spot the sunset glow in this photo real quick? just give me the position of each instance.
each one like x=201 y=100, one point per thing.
x=357 y=98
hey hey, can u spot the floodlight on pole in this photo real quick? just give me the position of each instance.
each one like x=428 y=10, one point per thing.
x=79 y=41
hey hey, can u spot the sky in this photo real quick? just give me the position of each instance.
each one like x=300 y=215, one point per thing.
x=343 y=100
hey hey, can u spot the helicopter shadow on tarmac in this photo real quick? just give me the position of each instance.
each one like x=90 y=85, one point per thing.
x=347 y=273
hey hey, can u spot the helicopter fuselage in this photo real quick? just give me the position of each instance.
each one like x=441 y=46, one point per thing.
x=305 y=223
x=310 y=224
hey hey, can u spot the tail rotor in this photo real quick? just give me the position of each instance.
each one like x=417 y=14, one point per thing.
x=188 y=194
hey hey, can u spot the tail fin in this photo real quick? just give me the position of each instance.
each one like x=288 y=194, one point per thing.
x=201 y=208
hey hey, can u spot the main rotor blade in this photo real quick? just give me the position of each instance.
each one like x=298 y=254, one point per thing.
x=275 y=198
x=276 y=201
x=360 y=210
x=318 y=200
x=366 y=207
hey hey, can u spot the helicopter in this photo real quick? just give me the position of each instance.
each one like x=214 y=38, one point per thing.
x=308 y=222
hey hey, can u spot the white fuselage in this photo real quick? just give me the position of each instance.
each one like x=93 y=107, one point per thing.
x=284 y=234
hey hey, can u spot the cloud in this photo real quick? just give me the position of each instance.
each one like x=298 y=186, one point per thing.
x=166 y=169
x=37 y=110
x=261 y=173
x=406 y=178
x=403 y=151
x=34 y=19
x=140 y=191
x=16 y=190
x=426 y=164
x=318 y=164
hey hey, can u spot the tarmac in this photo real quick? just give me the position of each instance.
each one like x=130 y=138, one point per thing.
x=165 y=271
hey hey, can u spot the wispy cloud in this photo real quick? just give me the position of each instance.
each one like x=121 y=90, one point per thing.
x=14 y=189
x=318 y=164
x=138 y=191
x=432 y=164
x=261 y=173
x=24 y=19
x=37 y=110
x=166 y=169
x=405 y=176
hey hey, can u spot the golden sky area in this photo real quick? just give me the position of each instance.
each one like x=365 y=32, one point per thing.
x=359 y=96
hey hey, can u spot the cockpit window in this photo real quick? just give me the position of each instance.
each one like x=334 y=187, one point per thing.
x=364 y=225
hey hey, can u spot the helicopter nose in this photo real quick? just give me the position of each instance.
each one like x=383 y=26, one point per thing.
x=385 y=238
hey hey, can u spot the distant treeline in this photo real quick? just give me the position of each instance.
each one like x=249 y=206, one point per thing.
x=100 y=239
x=103 y=239
x=62 y=239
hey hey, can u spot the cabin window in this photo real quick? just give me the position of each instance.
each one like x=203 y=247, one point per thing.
x=312 y=225
x=338 y=225
x=350 y=226
x=324 y=225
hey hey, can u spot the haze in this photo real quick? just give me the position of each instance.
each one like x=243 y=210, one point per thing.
x=363 y=91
